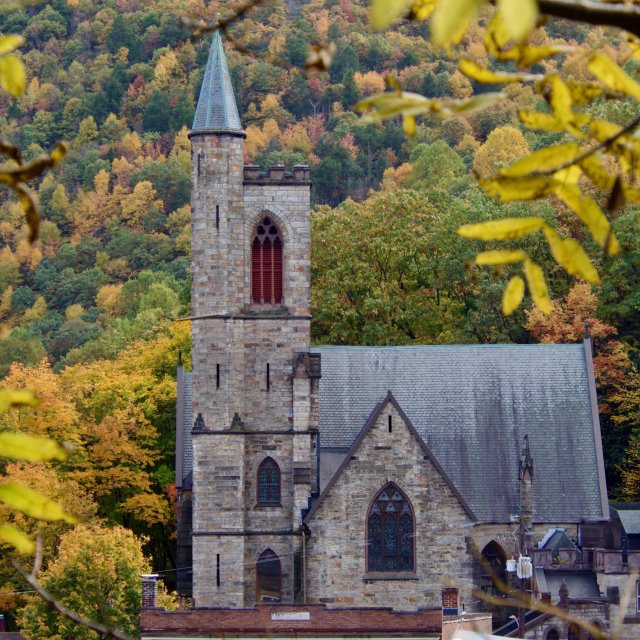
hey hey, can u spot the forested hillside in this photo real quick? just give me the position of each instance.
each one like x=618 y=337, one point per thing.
x=88 y=310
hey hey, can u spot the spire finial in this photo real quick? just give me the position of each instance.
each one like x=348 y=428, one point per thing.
x=179 y=356
x=217 y=110
x=587 y=328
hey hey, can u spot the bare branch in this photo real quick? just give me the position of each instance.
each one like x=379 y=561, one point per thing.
x=105 y=632
x=625 y=16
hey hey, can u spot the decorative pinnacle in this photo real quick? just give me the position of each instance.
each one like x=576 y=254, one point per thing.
x=217 y=110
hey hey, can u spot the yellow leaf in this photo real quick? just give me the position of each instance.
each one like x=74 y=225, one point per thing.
x=519 y=17
x=409 y=126
x=422 y=9
x=21 y=541
x=527 y=56
x=16 y=398
x=13 y=78
x=513 y=189
x=395 y=103
x=537 y=286
x=451 y=19
x=612 y=76
x=474 y=103
x=59 y=153
x=512 y=296
x=570 y=255
x=496 y=36
x=382 y=13
x=603 y=129
x=547 y=122
x=544 y=160
x=560 y=98
x=591 y=215
x=507 y=229
x=480 y=74
x=24 y=447
x=570 y=175
x=32 y=504
x=596 y=172
x=583 y=92
x=10 y=43
x=500 y=257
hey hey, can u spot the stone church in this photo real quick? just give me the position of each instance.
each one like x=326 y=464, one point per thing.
x=347 y=477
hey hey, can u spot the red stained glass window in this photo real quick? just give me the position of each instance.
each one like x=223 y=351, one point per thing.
x=266 y=264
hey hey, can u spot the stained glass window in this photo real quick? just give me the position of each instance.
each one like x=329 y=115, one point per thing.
x=269 y=482
x=266 y=264
x=268 y=577
x=390 y=532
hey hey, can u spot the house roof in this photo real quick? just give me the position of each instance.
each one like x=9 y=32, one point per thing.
x=472 y=406
x=217 y=110
x=630 y=519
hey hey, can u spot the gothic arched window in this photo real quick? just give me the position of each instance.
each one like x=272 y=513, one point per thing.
x=268 y=577
x=269 y=482
x=266 y=263
x=390 y=532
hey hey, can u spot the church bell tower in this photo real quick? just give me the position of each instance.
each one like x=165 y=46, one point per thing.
x=255 y=383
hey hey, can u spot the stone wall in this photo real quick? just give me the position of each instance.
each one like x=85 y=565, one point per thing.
x=336 y=550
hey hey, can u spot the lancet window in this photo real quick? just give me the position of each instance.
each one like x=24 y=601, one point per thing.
x=266 y=263
x=390 y=532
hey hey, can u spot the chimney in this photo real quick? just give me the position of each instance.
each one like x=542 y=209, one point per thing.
x=149 y=590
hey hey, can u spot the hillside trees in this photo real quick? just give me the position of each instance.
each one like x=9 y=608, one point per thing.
x=107 y=563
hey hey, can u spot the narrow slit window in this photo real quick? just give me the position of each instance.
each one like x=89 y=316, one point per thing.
x=217 y=216
x=199 y=164
x=266 y=264
x=268 y=377
x=217 y=569
x=217 y=376
x=390 y=423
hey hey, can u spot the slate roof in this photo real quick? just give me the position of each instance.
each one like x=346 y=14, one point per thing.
x=217 y=109
x=472 y=406
x=630 y=520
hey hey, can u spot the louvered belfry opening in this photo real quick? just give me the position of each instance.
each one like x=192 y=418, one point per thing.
x=266 y=264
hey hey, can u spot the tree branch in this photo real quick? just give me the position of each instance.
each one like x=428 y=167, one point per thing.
x=105 y=632
x=624 y=16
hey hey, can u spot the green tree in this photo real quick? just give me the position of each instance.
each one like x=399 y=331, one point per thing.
x=157 y=113
x=97 y=574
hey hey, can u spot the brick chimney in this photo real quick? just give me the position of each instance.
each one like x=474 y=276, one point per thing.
x=149 y=590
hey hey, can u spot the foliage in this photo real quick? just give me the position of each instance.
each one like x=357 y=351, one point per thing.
x=566 y=171
x=97 y=574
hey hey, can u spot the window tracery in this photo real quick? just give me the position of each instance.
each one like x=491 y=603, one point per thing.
x=266 y=263
x=390 y=532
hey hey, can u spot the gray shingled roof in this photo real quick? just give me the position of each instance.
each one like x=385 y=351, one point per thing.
x=472 y=405
x=217 y=109
x=630 y=520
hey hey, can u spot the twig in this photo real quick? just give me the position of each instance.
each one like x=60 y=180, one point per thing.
x=200 y=26
x=105 y=632
x=625 y=15
x=578 y=159
x=516 y=600
x=37 y=562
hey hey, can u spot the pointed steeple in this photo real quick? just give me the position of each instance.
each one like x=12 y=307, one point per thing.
x=217 y=110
